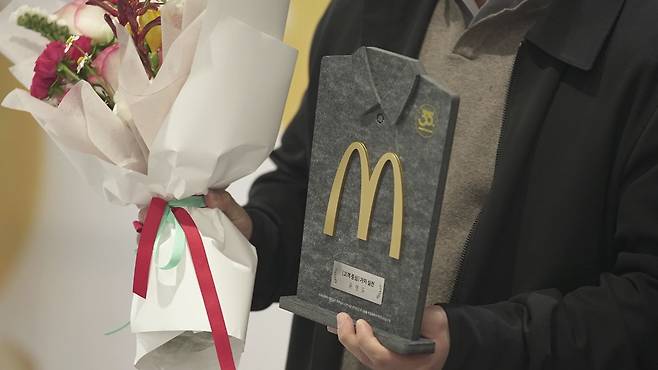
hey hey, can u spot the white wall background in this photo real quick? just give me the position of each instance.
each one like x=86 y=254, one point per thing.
x=73 y=282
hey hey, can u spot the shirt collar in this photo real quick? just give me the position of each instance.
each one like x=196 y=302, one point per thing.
x=383 y=87
x=575 y=31
x=493 y=7
x=470 y=7
x=474 y=14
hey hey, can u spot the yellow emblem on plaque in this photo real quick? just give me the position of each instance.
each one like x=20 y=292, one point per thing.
x=425 y=122
x=369 y=185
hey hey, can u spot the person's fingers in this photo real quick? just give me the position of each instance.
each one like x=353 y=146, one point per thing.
x=332 y=330
x=345 y=331
x=231 y=208
x=382 y=358
x=218 y=198
x=379 y=356
x=347 y=336
x=139 y=224
x=223 y=201
x=435 y=327
x=141 y=216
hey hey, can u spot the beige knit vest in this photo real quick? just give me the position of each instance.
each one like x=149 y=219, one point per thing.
x=474 y=63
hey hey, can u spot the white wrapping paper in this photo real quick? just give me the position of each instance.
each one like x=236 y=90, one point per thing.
x=210 y=117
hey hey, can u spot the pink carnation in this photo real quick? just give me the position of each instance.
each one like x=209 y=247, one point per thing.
x=79 y=48
x=45 y=69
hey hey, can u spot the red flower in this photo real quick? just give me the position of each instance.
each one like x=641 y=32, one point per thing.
x=80 y=47
x=46 y=69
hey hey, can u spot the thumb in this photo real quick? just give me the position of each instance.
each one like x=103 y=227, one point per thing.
x=435 y=322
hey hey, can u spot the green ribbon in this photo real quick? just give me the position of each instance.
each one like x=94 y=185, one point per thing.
x=178 y=250
x=114 y=331
x=169 y=220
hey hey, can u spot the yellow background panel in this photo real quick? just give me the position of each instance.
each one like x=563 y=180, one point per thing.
x=303 y=17
x=20 y=169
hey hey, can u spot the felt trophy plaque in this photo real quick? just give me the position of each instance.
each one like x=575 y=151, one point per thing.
x=381 y=145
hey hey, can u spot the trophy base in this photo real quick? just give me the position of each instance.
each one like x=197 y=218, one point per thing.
x=327 y=317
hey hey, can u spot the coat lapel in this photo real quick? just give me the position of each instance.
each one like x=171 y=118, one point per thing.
x=574 y=31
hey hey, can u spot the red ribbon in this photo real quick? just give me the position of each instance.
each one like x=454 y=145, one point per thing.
x=201 y=267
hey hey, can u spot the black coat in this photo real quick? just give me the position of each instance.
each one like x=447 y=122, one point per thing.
x=561 y=270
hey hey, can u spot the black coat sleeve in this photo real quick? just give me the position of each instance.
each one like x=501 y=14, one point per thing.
x=611 y=326
x=277 y=200
x=276 y=205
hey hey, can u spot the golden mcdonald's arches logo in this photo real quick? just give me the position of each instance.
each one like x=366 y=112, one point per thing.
x=425 y=121
x=369 y=185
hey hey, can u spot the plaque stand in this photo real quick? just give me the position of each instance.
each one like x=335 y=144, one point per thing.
x=326 y=317
x=345 y=263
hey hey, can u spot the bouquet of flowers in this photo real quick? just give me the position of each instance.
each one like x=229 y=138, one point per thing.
x=155 y=102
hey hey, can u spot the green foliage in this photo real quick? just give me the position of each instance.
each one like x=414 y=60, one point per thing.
x=41 y=24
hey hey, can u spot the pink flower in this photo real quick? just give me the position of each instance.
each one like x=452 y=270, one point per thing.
x=90 y=21
x=45 y=69
x=87 y=20
x=107 y=63
x=67 y=14
x=80 y=47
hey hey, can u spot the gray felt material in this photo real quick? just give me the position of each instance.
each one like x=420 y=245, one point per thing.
x=355 y=93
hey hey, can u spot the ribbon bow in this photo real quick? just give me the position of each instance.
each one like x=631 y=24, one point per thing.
x=161 y=213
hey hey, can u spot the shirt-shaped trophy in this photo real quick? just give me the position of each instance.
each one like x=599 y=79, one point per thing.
x=381 y=144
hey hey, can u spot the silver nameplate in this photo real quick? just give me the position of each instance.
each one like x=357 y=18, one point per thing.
x=357 y=282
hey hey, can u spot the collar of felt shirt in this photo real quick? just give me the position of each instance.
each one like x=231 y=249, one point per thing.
x=378 y=88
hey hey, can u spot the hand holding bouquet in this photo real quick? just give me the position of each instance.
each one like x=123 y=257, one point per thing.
x=155 y=103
